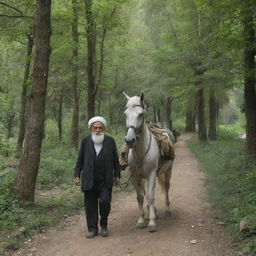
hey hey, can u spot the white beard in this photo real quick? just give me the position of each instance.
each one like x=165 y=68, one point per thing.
x=97 y=138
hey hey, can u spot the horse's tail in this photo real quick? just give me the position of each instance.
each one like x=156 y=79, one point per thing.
x=164 y=180
x=161 y=181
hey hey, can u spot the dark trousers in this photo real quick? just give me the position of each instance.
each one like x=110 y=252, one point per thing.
x=97 y=200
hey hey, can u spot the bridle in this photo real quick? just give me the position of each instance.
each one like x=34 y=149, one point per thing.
x=139 y=129
x=138 y=132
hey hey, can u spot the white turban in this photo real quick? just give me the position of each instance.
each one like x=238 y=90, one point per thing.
x=97 y=119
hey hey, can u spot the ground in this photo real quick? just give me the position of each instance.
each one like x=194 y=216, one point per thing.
x=191 y=230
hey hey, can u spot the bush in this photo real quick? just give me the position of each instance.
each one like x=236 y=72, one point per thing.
x=8 y=205
x=232 y=176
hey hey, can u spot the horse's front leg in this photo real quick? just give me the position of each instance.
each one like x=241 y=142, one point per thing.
x=151 y=200
x=137 y=184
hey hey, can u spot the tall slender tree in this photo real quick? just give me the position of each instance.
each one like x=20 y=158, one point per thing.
x=91 y=58
x=199 y=71
x=30 y=44
x=75 y=68
x=190 y=121
x=249 y=73
x=202 y=132
x=212 y=134
x=25 y=181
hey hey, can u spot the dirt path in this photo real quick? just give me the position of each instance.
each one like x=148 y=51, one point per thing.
x=192 y=219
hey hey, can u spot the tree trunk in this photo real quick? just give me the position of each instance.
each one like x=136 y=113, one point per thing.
x=102 y=42
x=24 y=183
x=91 y=57
x=10 y=124
x=202 y=134
x=110 y=110
x=75 y=116
x=168 y=110
x=249 y=76
x=59 y=114
x=199 y=71
x=24 y=94
x=99 y=99
x=154 y=114
x=159 y=117
x=190 y=123
x=212 y=134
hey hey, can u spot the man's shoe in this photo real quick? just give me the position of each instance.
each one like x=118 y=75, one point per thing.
x=104 y=231
x=91 y=234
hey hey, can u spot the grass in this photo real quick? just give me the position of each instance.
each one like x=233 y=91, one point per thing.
x=232 y=175
x=51 y=206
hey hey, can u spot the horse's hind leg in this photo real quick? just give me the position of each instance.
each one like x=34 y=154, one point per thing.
x=137 y=184
x=167 y=177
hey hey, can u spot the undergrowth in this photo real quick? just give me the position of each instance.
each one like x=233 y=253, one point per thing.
x=232 y=175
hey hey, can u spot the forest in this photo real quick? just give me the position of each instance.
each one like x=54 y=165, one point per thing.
x=65 y=61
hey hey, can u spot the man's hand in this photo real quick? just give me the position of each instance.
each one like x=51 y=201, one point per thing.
x=76 y=181
x=116 y=180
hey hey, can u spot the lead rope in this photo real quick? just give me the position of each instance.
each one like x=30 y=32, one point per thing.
x=133 y=171
x=138 y=162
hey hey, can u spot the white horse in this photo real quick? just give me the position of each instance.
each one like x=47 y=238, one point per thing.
x=144 y=161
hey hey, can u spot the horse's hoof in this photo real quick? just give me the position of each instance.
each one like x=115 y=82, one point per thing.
x=140 y=225
x=152 y=228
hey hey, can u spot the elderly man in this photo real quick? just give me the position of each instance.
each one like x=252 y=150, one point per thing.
x=98 y=168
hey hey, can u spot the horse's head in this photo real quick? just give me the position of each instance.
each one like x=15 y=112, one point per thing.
x=134 y=117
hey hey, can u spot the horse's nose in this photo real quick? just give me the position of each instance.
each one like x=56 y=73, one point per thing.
x=130 y=137
x=129 y=141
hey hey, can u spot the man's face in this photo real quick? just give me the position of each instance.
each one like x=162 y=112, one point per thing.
x=97 y=128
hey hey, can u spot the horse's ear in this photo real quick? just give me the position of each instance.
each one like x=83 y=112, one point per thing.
x=126 y=96
x=142 y=98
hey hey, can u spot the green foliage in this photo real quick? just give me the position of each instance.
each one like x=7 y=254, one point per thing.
x=8 y=202
x=232 y=176
x=178 y=123
x=7 y=149
x=51 y=206
x=57 y=164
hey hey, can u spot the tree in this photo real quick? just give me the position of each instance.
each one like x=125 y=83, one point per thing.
x=24 y=183
x=190 y=123
x=91 y=58
x=202 y=134
x=75 y=69
x=168 y=109
x=30 y=44
x=247 y=14
x=212 y=135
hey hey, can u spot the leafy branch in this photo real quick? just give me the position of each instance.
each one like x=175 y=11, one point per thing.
x=19 y=15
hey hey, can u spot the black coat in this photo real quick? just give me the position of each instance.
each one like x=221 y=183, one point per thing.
x=84 y=168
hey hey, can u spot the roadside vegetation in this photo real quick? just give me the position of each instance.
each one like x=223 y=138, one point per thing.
x=232 y=183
